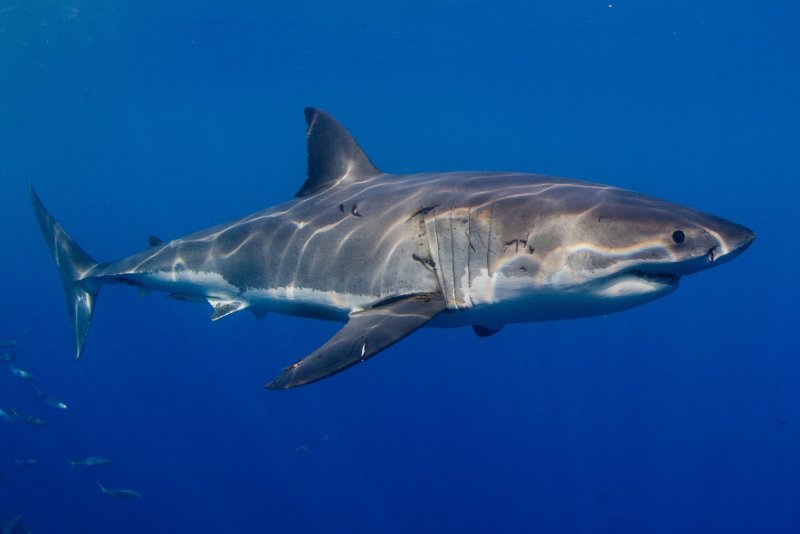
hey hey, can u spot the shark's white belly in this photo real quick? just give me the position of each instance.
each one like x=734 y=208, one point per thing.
x=491 y=300
x=292 y=300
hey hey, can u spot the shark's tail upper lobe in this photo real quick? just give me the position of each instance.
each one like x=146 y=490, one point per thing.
x=74 y=265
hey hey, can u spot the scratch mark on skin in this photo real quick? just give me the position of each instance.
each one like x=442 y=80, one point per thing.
x=422 y=211
x=517 y=243
x=427 y=262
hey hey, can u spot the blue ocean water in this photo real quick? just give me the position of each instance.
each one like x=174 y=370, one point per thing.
x=137 y=119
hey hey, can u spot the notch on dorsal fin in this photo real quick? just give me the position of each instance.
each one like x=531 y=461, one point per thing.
x=154 y=241
x=333 y=154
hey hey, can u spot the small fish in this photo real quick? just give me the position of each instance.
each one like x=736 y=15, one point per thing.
x=50 y=400
x=31 y=420
x=25 y=462
x=91 y=461
x=12 y=526
x=8 y=343
x=126 y=494
x=55 y=403
x=5 y=416
x=20 y=373
x=7 y=357
x=35 y=421
x=305 y=447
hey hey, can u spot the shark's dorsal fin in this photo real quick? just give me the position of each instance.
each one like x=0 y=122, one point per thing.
x=154 y=241
x=333 y=154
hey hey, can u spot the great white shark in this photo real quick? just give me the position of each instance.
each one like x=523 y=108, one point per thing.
x=389 y=253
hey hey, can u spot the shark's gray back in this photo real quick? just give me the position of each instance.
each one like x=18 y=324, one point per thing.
x=388 y=236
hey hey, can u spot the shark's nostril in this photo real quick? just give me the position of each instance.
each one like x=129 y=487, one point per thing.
x=712 y=254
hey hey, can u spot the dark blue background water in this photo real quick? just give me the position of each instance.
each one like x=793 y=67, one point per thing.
x=680 y=416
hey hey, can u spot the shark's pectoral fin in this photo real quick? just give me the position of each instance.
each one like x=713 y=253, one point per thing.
x=366 y=333
x=223 y=308
x=485 y=331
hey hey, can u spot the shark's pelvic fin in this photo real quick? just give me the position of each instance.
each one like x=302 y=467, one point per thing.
x=223 y=308
x=74 y=265
x=485 y=331
x=366 y=333
x=333 y=154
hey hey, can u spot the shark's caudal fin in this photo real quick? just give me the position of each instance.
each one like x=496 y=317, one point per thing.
x=73 y=264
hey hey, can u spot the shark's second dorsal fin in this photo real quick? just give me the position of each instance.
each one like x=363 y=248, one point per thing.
x=154 y=241
x=333 y=154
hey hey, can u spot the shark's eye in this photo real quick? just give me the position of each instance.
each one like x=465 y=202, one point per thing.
x=678 y=236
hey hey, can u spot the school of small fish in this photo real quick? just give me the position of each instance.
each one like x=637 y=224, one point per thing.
x=10 y=415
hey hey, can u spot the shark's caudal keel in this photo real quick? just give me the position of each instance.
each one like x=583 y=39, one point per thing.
x=388 y=254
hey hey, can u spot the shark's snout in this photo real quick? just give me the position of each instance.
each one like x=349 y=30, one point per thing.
x=708 y=242
x=733 y=240
x=745 y=239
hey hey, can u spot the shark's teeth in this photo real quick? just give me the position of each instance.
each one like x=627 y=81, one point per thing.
x=663 y=278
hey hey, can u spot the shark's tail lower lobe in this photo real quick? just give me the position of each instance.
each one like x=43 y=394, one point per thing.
x=73 y=264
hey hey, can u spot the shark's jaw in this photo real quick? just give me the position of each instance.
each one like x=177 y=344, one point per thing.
x=652 y=280
x=636 y=286
x=660 y=278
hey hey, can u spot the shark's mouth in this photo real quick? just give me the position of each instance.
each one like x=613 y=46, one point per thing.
x=661 y=278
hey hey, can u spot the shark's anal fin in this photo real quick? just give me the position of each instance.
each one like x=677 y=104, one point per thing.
x=366 y=333
x=485 y=331
x=223 y=308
